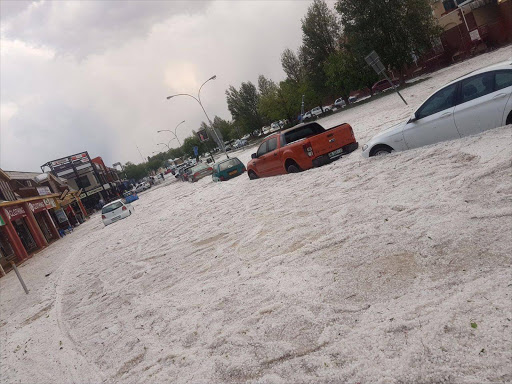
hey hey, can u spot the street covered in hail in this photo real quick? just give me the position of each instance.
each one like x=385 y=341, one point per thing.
x=393 y=269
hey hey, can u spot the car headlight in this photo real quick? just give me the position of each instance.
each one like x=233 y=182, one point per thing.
x=365 y=147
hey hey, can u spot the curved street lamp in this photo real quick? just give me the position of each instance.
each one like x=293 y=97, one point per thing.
x=167 y=145
x=198 y=99
x=174 y=133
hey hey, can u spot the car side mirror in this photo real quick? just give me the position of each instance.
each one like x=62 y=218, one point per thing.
x=254 y=156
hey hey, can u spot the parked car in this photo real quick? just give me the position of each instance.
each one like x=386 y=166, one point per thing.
x=115 y=211
x=130 y=196
x=339 y=103
x=274 y=127
x=476 y=102
x=307 y=115
x=316 y=111
x=327 y=108
x=199 y=171
x=265 y=130
x=141 y=187
x=352 y=99
x=240 y=143
x=227 y=169
x=383 y=85
x=185 y=173
x=299 y=148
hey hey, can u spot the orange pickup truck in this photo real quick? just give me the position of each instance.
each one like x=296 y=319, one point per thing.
x=299 y=148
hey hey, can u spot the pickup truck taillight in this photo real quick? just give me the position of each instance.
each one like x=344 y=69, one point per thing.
x=308 y=149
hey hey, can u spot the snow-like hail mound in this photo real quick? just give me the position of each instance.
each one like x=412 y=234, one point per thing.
x=386 y=270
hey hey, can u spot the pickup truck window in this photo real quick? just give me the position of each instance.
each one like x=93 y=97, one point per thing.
x=272 y=144
x=262 y=149
x=302 y=133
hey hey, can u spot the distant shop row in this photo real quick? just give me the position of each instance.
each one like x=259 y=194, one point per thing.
x=37 y=208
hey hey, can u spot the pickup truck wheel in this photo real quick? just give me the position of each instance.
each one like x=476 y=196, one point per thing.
x=252 y=175
x=293 y=168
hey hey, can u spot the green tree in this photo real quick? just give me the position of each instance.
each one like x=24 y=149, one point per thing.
x=292 y=65
x=188 y=146
x=271 y=104
x=320 y=37
x=135 y=171
x=243 y=105
x=346 y=72
x=395 y=29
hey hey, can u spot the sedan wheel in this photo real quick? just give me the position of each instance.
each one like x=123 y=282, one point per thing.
x=382 y=152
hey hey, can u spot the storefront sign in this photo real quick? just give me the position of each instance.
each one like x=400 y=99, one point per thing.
x=93 y=191
x=37 y=206
x=475 y=35
x=61 y=215
x=82 y=157
x=43 y=191
x=50 y=203
x=15 y=213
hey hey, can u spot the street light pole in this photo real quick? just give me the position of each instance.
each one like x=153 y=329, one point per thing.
x=167 y=145
x=174 y=133
x=198 y=99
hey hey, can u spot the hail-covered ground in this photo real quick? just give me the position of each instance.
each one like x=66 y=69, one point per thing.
x=394 y=269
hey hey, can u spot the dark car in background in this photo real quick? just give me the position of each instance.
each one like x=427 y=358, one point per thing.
x=228 y=169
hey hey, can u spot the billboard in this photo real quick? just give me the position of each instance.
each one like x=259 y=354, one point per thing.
x=68 y=167
x=203 y=135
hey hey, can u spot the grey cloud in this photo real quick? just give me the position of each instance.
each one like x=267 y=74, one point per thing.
x=110 y=101
x=81 y=28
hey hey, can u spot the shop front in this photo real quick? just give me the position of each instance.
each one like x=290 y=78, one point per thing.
x=26 y=226
x=43 y=218
x=6 y=250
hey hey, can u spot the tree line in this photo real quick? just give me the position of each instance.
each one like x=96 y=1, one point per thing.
x=227 y=129
x=330 y=61
x=328 y=64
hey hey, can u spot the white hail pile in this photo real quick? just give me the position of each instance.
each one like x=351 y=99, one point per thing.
x=388 y=270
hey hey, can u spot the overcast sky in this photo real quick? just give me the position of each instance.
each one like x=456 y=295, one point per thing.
x=94 y=75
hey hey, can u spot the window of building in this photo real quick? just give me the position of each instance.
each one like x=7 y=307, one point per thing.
x=83 y=182
x=449 y=5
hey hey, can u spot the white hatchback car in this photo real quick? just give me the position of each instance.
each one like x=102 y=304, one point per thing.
x=471 y=104
x=316 y=111
x=115 y=211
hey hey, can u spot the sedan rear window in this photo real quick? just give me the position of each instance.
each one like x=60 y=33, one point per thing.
x=111 y=207
x=229 y=164
x=197 y=168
